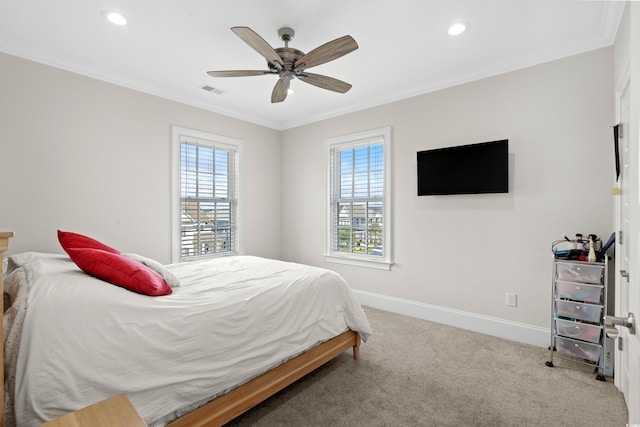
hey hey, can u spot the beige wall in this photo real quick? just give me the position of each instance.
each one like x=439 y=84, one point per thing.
x=87 y=156
x=464 y=252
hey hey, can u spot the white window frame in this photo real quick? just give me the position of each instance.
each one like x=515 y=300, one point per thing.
x=180 y=134
x=383 y=262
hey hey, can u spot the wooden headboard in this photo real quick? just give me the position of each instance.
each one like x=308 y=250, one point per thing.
x=4 y=245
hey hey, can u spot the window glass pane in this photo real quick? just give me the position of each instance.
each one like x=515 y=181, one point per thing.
x=205 y=159
x=376 y=154
x=346 y=161
x=361 y=159
x=362 y=172
x=222 y=174
x=376 y=231
x=222 y=162
x=376 y=183
x=222 y=187
x=361 y=184
x=344 y=229
x=346 y=185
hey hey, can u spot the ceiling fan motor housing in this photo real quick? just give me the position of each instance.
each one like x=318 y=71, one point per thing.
x=289 y=56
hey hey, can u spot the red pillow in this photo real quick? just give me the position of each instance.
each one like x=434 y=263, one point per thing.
x=119 y=270
x=70 y=240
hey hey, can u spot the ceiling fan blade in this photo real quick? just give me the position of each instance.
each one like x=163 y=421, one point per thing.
x=238 y=73
x=327 y=52
x=252 y=38
x=280 y=90
x=325 y=82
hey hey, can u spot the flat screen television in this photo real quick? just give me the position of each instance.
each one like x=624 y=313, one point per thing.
x=464 y=169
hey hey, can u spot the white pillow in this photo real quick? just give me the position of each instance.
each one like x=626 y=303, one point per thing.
x=154 y=265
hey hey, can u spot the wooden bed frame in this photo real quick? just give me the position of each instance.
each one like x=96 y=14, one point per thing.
x=237 y=401
x=234 y=403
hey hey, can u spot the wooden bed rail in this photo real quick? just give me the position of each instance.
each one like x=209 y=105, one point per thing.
x=237 y=401
x=4 y=245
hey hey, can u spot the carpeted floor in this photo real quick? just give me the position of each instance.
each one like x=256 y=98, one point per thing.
x=418 y=373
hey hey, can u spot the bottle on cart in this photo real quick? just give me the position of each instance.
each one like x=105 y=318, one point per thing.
x=592 y=253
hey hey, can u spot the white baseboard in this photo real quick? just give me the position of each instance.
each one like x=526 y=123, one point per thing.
x=513 y=331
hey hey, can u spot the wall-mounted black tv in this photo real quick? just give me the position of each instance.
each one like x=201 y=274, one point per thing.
x=464 y=169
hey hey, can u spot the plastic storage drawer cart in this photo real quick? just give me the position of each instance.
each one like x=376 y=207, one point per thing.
x=579 y=301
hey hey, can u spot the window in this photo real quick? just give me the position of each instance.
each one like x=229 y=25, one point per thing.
x=358 y=193
x=205 y=195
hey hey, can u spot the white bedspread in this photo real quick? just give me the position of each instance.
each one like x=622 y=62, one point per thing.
x=72 y=340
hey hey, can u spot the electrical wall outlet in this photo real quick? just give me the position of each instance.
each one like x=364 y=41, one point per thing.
x=511 y=299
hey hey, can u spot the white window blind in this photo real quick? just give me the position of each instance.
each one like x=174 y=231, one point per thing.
x=208 y=198
x=358 y=215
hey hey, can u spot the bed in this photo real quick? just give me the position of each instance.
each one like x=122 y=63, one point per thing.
x=237 y=330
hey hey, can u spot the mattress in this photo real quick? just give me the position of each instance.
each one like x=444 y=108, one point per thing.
x=72 y=340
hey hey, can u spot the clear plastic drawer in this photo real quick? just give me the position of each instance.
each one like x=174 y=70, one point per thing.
x=577 y=330
x=579 y=292
x=581 y=349
x=579 y=311
x=579 y=272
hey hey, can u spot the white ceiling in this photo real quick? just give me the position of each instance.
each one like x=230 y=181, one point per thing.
x=404 y=49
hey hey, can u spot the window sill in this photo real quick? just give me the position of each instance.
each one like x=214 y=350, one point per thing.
x=360 y=262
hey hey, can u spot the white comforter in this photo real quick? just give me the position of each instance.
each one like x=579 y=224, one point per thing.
x=72 y=340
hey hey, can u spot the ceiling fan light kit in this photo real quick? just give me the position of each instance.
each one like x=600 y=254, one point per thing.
x=289 y=63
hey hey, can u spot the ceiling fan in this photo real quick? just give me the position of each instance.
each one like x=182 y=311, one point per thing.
x=289 y=63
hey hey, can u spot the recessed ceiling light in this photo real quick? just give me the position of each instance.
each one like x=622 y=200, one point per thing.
x=115 y=17
x=290 y=91
x=458 y=28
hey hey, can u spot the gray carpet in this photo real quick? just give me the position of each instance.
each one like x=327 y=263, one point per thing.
x=418 y=373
